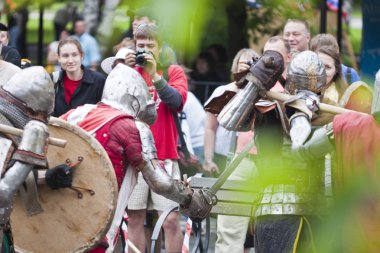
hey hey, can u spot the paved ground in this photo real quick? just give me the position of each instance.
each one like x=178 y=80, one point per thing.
x=211 y=248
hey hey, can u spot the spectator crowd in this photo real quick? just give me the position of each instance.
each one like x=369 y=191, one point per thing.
x=179 y=93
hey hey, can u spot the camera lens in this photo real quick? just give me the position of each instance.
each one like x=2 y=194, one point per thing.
x=140 y=59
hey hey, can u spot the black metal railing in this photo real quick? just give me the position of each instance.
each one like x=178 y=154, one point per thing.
x=203 y=89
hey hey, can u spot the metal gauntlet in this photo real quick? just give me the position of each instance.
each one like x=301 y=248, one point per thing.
x=238 y=114
x=267 y=70
x=200 y=205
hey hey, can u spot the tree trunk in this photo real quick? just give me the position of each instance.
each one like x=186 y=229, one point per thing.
x=237 y=30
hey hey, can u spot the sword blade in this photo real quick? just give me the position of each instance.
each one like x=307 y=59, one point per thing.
x=231 y=167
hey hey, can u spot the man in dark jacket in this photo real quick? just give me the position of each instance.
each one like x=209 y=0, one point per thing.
x=9 y=54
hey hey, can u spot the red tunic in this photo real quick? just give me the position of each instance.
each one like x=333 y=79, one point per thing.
x=357 y=140
x=119 y=136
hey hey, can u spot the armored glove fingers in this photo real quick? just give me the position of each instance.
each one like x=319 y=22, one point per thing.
x=267 y=70
x=305 y=101
x=311 y=99
x=200 y=205
x=60 y=176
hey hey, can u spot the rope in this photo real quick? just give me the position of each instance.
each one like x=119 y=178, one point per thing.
x=311 y=235
x=186 y=239
x=298 y=236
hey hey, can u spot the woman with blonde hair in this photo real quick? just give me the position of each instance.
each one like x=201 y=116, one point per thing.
x=220 y=143
x=217 y=139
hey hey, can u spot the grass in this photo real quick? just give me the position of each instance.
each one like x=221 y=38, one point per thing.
x=356 y=39
x=118 y=24
x=32 y=31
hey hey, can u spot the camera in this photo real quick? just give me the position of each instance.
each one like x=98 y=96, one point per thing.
x=252 y=61
x=140 y=58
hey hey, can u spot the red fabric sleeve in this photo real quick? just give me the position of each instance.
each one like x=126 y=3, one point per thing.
x=178 y=80
x=125 y=140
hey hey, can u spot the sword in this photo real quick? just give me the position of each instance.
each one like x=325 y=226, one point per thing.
x=231 y=167
x=322 y=106
x=18 y=132
x=235 y=162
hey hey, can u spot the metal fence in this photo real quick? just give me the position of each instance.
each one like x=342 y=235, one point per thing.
x=203 y=89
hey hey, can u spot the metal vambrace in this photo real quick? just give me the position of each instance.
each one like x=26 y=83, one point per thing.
x=33 y=142
x=300 y=129
x=160 y=182
x=319 y=144
x=238 y=114
x=154 y=174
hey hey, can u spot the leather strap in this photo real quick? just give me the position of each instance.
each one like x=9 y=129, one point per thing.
x=29 y=196
x=184 y=148
x=1 y=239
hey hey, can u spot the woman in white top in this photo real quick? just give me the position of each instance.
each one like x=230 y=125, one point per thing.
x=217 y=139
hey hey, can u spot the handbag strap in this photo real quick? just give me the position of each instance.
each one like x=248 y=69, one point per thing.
x=184 y=148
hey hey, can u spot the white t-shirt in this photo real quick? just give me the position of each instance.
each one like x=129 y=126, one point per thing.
x=223 y=136
x=195 y=119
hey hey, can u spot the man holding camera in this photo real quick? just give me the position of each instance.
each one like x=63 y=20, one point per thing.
x=170 y=96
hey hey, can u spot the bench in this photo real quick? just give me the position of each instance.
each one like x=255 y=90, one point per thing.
x=236 y=198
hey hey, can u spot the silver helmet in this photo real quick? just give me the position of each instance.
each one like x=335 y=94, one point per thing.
x=34 y=87
x=127 y=91
x=306 y=72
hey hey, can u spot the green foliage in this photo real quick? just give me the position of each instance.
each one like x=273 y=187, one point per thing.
x=270 y=19
x=182 y=20
x=356 y=39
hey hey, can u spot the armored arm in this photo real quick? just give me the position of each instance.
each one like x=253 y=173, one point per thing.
x=31 y=152
x=238 y=114
x=319 y=144
x=300 y=109
x=195 y=204
x=159 y=181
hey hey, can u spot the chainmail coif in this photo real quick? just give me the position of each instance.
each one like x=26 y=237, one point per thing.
x=13 y=114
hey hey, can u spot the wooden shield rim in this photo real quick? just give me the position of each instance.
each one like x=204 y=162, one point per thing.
x=352 y=88
x=106 y=163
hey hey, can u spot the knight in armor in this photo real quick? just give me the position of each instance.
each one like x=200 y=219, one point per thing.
x=292 y=189
x=354 y=139
x=26 y=101
x=120 y=122
x=292 y=195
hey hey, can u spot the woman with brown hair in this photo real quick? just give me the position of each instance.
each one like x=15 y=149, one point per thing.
x=334 y=82
x=349 y=74
x=75 y=85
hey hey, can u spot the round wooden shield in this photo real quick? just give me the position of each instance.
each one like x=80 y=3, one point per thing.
x=69 y=223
